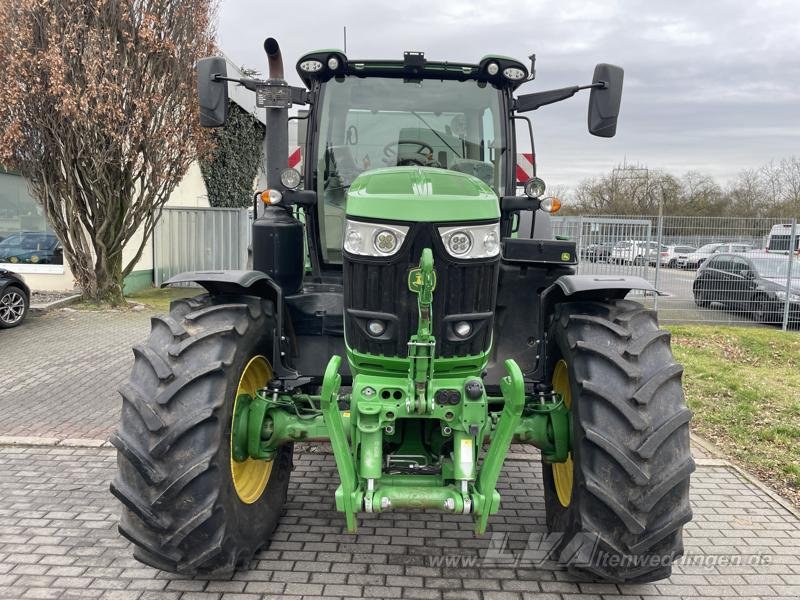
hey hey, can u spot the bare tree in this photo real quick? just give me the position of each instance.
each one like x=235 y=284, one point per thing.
x=98 y=113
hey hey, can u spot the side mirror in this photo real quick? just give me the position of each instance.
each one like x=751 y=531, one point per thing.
x=212 y=93
x=604 y=102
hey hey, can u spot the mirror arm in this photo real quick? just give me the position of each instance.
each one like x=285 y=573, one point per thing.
x=528 y=102
x=299 y=95
x=250 y=84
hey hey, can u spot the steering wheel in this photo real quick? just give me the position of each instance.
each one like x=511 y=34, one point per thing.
x=425 y=151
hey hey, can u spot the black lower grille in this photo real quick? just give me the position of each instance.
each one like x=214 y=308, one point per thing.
x=378 y=288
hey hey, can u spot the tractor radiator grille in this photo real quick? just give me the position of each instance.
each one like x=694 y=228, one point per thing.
x=373 y=286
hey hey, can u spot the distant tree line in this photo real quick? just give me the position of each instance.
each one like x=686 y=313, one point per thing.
x=772 y=190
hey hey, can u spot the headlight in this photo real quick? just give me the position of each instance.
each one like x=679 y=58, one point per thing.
x=385 y=241
x=290 y=178
x=310 y=66
x=459 y=242
x=373 y=239
x=534 y=187
x=471 y=241
x=514 y=73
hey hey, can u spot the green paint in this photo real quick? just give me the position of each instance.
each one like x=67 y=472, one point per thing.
x=239 y=430
x=425 y=194
x=546 y=426
x=513 y=388
x=406 y=415
x=371 y=364
x=422 y=344
x=347 y=496
x=420 y=497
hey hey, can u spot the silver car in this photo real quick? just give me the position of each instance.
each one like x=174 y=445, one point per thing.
x=703 y=253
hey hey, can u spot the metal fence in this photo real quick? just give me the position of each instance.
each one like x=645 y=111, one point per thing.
x=711 y=269
x=200 y=239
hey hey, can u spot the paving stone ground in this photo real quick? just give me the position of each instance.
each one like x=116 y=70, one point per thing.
x=58 y=540
x=58 y=379
x=59 y=372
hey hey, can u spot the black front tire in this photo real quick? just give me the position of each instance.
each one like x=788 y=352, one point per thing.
x=9 y=316
x=630 y=444
x=181 y=510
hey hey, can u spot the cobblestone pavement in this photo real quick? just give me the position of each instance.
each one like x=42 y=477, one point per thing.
x=59 y=373
x=58 y=540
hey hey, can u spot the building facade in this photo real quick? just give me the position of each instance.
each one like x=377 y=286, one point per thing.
x=28 y=246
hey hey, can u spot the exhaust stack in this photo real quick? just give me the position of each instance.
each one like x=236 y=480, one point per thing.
x=277 y=235
x=276 y=139
x=274 y=58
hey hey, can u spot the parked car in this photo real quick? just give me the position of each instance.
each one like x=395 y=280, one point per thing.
x=752 y=283
x=695 y=259
x=597 y=252
x=669 y=256
x=15 y=298
x=632 y=252
x=31 y=247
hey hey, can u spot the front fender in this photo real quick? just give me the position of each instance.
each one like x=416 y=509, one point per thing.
x=250 y=283
x=571 y=288
x=607 y=286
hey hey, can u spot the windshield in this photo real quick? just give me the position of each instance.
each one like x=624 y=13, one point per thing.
x=709 y=247
x=376 y=122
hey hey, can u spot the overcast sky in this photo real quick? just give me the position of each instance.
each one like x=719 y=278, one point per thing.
x=710 y=85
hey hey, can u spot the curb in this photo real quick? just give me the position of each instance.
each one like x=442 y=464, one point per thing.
x=706 y=446
x=40 y=309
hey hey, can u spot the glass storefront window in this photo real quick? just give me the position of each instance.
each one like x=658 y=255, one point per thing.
x=25 y=238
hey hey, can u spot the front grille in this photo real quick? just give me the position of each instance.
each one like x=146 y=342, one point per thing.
x=373 y=285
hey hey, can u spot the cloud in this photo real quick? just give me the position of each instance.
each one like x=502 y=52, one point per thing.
x=709 y=85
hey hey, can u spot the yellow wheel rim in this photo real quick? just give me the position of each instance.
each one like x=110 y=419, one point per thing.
x=562 y=472
x=250 y=477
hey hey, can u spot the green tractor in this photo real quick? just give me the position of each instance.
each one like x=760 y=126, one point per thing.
x=409 y=307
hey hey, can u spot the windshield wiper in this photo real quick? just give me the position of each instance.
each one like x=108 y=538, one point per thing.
x=436 y=133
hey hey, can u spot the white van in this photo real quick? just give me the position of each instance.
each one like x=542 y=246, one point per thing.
x=780 y=238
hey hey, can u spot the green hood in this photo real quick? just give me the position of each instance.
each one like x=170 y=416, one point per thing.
x=423 y=194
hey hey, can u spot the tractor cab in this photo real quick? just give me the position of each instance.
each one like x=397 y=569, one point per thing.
x=379 y=114
x=372 y=114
